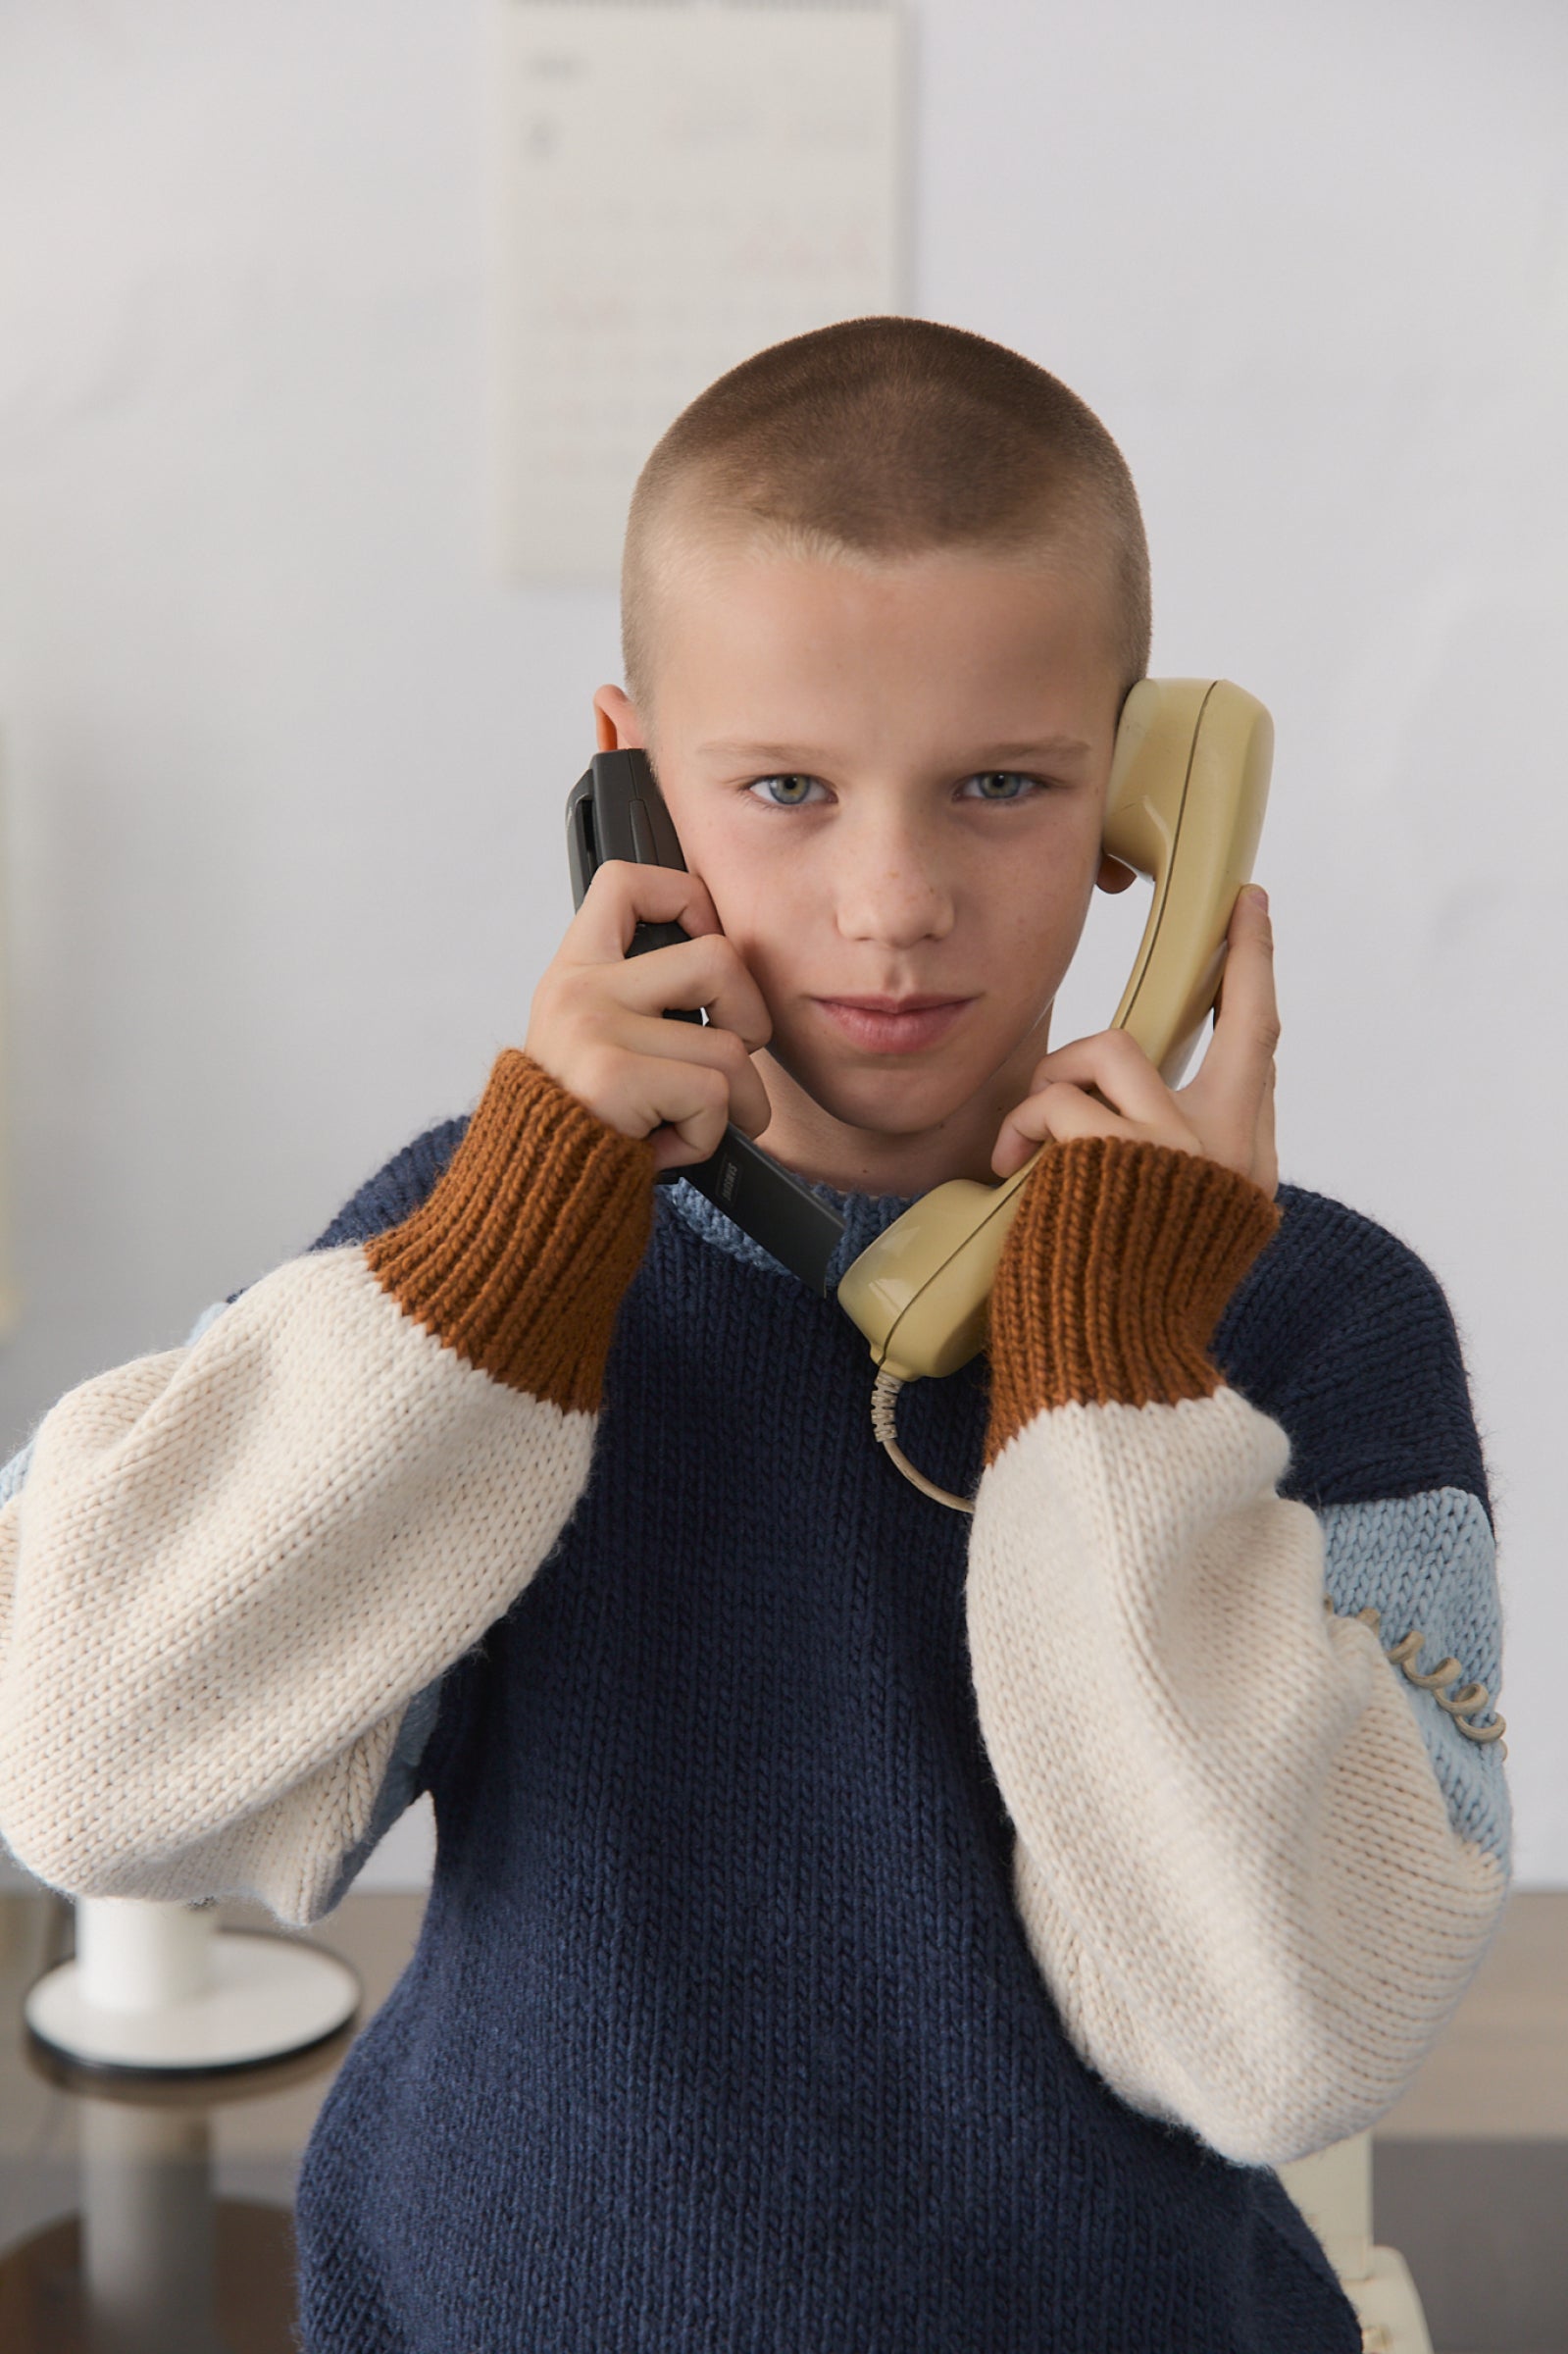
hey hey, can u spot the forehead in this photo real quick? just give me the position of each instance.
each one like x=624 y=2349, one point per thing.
x=749 y=626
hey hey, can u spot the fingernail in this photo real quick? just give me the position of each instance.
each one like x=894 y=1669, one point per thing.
x=1261 y=896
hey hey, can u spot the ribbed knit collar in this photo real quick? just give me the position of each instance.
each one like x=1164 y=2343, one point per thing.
x=865 y=1216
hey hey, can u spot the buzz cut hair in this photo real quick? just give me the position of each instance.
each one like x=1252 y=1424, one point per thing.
x=881 y=438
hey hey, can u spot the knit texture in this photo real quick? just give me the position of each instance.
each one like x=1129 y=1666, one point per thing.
x=1113 y=1276
x=1427 y=1563
x=724 y=2030
x=1183 y=1737
x=233 y=1564
x=852 y=1926
x=1343 y=1335
x=519 y=1256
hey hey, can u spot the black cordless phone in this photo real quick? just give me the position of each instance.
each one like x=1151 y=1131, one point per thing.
x=616 y=812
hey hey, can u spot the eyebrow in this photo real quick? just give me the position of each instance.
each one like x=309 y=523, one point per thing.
x=990 y=755
x=1048 y=747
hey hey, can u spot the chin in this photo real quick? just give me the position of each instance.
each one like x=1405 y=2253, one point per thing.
x=884 y=1104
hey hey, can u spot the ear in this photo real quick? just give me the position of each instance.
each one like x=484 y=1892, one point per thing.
x=616 y=723
x=1113 y=874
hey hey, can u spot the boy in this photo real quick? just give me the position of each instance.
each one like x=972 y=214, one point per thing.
x=854 y=1925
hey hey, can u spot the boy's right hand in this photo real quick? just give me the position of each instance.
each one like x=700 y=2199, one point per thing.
x=596 y=1021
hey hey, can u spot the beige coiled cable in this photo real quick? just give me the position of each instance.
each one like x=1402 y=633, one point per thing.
x=884 y=1403
x=1459 y=1705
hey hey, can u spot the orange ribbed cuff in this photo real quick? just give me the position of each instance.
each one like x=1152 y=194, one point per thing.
x=1114 y=1274
x=521 y=1255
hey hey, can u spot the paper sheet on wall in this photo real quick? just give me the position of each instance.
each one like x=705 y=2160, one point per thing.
x=680 y=182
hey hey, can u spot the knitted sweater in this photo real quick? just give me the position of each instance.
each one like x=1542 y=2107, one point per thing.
x=854 y=1927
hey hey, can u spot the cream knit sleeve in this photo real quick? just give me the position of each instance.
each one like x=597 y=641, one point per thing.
x=232 y=1566
x=1233 y=1863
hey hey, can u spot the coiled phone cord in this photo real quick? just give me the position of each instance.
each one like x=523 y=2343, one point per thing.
x=1458 y=1704
x=884 y=1403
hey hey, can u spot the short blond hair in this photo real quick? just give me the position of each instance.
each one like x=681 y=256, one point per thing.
x=886 y=438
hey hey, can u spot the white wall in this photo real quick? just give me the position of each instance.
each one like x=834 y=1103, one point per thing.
x=284 y=764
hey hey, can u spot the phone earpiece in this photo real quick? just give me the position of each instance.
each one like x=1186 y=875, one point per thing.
x=1188 y=786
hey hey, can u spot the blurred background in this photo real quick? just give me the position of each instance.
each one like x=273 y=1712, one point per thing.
x=286 y=726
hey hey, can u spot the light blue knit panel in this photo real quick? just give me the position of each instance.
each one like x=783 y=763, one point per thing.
x=1428 y=1562
x=396 y=1792
x=15 y=1472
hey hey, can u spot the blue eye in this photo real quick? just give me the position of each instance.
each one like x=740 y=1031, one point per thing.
x=989 y=777
x=796 y=799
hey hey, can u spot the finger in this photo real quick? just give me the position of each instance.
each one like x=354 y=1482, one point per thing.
x=1247 y=1017
x=1118 y=1066
x=672 y=1152
x=682 y=1110
x=704 y=972
x=716 y=1049
x=1055 y=1113
x=1265 y=1155
x=624 y=894
x=749 y=1106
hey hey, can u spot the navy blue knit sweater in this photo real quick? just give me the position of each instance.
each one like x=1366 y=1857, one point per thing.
x=723 y=2036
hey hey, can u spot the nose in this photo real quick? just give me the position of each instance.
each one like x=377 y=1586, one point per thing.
x=891 y=889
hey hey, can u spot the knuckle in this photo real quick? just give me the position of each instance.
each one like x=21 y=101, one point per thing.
x=577 y=985
x=1125 y=1047
x=597 y=1067
x=722 y=955
x=560 y=987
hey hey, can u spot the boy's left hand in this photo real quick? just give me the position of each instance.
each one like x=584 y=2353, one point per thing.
x=1224 y=1114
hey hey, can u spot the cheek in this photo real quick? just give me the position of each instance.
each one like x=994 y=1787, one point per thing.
x=775 y=951
x=1039 y=918
x=757 y=914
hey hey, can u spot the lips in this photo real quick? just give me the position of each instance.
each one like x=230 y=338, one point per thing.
x=894 y=1025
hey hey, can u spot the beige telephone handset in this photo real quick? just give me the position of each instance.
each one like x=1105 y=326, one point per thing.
x=1188 y=790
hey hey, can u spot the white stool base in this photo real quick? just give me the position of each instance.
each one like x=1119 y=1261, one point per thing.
x=269 y=1997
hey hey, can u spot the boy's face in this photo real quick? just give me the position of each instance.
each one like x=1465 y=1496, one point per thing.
x=891 y=780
